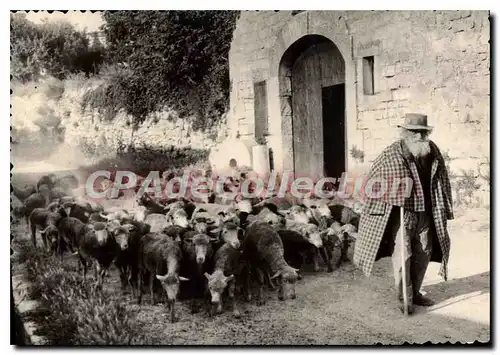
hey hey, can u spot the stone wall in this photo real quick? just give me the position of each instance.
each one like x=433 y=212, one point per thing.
x=434 y=62
x=52 y=105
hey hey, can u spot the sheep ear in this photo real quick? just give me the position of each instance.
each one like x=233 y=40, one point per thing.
x=213 y=239
x=278 y=273
x=230 y=278
x=183 y=278
x=207 y=275
x=215 y=231
x=160 y=277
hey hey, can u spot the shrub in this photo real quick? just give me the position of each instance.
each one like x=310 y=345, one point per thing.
x=357 y=154
x=72 y=312
x=54 y=47
x=143 y=160
x=152 y=69
x=465 y=186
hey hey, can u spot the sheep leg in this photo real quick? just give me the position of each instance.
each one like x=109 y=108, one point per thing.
x=98 y=275
x=247 y=283
x=132 y=280
x=151 y=288
x=345 y=247
x=171 y=305
x=315 y=257
x=139 y=286
x=324 y=255
x=32 y=228
x=269 y=281
x=123 y=278
x=260 y=280
x=60 y=251
x=84 y=264
x=230 y=289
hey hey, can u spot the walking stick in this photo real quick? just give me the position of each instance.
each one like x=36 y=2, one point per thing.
x=403 y=263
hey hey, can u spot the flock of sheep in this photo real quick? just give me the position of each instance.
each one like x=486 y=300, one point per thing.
x=200 y=250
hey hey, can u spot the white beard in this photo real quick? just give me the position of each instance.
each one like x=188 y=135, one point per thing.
x=419 y=149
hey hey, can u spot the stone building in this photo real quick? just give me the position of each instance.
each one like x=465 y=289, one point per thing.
x=321 y=85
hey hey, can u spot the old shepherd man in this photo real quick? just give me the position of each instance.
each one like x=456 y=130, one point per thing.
x=426 y=211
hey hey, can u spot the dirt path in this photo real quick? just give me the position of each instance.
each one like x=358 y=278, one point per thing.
x=344 y=307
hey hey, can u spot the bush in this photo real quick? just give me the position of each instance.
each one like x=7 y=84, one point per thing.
x=145 y=159
x=152 y=69
x=54 y=47
x=72 y=312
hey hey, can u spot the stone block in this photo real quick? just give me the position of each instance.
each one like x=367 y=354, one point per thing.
x=389 y=71
x=392 y=83
x=384 y=96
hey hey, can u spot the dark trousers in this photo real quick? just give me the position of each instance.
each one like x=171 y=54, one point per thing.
x=419 y=231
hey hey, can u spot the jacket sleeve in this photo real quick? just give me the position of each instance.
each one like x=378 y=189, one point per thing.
x=445 y=181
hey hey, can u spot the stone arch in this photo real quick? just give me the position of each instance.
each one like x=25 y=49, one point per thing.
x=295 y=37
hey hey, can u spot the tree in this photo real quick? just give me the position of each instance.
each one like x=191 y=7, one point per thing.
x=177 y=59
x=57 y=47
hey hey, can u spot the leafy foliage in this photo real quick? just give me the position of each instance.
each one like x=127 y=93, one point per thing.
x=56 y=48
x=357 y=154
x=72 y=312
x=144 y=159
x=177 y=59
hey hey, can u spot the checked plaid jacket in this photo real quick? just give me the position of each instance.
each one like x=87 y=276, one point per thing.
x=395 y=163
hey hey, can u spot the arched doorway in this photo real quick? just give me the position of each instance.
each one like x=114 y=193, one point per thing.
x=312 y=84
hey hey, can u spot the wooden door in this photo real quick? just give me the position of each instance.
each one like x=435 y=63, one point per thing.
x=318 y=67
x=307 y=115
x=333 y=100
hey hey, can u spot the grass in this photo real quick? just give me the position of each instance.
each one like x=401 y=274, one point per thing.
x=71 y=311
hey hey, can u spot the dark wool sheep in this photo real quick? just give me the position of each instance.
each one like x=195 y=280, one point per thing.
x=96 y=243
x=36 y=200
x=197 y=259
x=24 y=193
x=160 y=257
x=47 y=180
x=345 y=215
x=263 y=250
x=227 y=270
x=42 y=219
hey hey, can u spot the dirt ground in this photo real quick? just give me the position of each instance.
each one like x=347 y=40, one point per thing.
x=345 y=307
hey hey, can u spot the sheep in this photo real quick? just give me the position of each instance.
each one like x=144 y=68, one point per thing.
x=160 y=256
x=227 y=262
x=67 y=182
x=336 y=236
x=228 y=232
x=97 y=243
x=47 y=180
x=296 y=248
x=197 y=258
x=24 y=193
x=47 y=221
x=263 y=250
x=151 y=206
x=201 y=220
x=311 y=233
x=127 y=258
x=119 y=214
x=36 y=200
x=70 y=230
x=345 y=215
x=266 y=212
x=158 y=222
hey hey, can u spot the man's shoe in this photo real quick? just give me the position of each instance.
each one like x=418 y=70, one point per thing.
x=421 y=300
